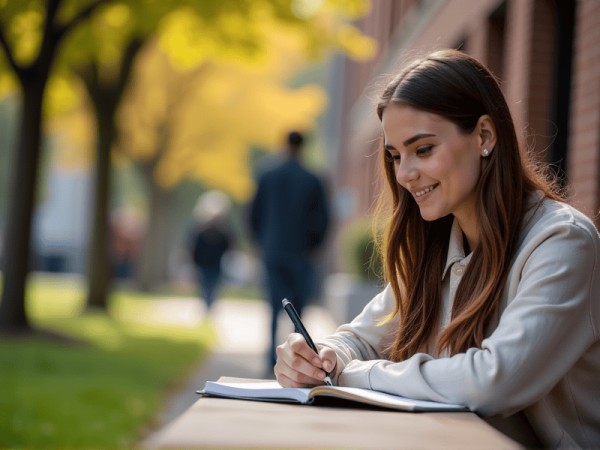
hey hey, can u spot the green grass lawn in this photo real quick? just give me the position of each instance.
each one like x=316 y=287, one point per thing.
x=105 y=389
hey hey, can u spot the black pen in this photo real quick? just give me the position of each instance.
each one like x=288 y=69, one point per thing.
x=291 y=311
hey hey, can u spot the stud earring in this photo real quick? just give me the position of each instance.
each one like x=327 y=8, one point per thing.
x=486 y=153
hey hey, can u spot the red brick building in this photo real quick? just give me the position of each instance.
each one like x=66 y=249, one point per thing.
x=546 y=52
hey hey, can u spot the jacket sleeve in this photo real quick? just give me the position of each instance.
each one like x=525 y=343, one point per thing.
x=551 y=319
x=368 y=336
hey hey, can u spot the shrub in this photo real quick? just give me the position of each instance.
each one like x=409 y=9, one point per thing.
x=360 y=256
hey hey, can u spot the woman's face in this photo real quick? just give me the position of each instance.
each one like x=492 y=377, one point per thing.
x=437 y=163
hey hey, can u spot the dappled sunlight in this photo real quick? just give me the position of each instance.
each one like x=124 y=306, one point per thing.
x=184 y=312
x=51 y=296
x=58 y=302
x=96 y=328
x=97 y=389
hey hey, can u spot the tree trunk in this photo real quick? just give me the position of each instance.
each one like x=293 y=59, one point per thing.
x=105 y=96
x=33 y=80
x=99 y=263
x=21 y=201
x=152 y=265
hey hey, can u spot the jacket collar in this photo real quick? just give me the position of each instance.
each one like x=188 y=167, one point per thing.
x=456 y=250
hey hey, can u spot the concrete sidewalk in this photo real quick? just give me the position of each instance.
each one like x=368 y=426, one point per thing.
x=242 y=329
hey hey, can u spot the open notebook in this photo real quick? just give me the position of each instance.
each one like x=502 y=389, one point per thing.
x=271 y=391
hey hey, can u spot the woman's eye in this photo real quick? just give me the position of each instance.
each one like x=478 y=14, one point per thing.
x=424 y=150
x=392 y=157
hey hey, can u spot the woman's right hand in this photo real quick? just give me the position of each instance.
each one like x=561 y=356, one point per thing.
x=299 y=366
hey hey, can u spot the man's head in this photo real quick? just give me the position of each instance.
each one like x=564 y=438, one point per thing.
x=295 y=141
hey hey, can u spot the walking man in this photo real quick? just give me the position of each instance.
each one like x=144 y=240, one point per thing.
x=288 y=218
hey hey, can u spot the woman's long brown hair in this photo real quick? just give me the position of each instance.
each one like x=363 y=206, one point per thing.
x=457 y=87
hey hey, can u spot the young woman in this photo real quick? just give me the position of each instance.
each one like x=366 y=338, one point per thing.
x=493 y=283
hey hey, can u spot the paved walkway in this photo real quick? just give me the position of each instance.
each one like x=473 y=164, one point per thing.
x=242 y=329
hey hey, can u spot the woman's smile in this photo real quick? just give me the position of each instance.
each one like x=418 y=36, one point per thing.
x=420 y=192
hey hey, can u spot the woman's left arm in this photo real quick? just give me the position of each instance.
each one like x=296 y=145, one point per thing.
x=551 y=319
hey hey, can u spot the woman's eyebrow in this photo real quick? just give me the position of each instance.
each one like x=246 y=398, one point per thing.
x=409 y=141
x=416 y=137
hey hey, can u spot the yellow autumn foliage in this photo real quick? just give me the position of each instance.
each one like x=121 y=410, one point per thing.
x=202 y=123
x=196 y=106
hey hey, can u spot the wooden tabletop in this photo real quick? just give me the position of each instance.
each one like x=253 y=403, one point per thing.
x=227 y=423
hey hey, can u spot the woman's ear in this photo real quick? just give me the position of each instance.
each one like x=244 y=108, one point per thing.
x=486 y=131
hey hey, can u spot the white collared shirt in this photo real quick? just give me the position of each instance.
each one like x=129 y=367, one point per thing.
x=541 y=357
x=456 y=264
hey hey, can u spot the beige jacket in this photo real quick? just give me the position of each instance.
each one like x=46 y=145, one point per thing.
x=541 y=358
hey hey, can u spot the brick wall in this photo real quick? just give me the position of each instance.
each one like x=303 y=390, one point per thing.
x=518 y=40
x=584 y=145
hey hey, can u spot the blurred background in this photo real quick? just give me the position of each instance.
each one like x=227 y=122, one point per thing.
x=116 y=115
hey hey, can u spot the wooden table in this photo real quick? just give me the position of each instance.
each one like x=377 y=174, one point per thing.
x=219 y=423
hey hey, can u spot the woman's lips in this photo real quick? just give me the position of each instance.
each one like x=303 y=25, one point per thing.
x=420 y=192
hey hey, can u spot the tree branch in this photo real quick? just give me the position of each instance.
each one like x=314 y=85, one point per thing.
x=132 y=49
x=51 y=10
x=80 y=17
x=89 y=75
x=53 y=33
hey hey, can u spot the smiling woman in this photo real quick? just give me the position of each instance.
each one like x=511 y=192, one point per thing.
x=437 y=162
x=478 y=309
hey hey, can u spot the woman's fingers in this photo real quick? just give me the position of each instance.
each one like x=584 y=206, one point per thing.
x=297 y=364
x=328 y=358
x=289 y=378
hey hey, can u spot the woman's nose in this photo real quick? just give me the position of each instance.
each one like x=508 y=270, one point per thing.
x=406 y=172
